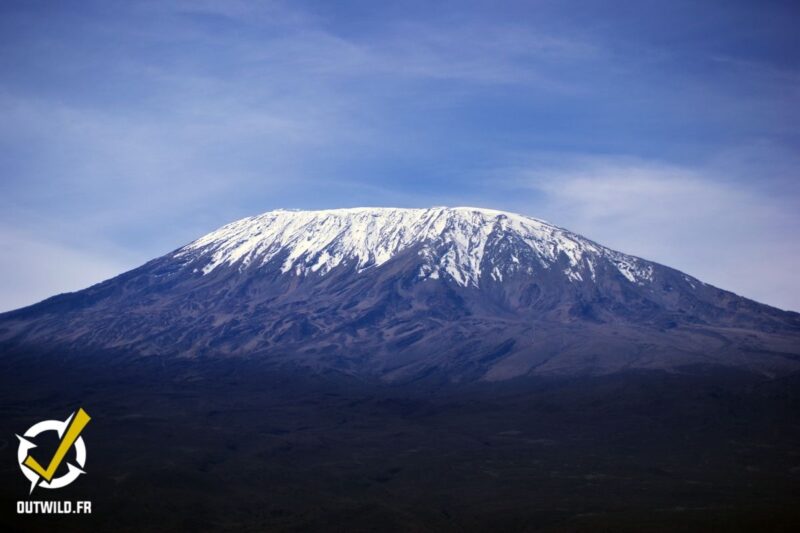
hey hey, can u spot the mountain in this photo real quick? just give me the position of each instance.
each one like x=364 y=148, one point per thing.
x=456 y=294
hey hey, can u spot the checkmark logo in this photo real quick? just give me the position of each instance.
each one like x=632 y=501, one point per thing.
x=69 y=432
x=79 y=422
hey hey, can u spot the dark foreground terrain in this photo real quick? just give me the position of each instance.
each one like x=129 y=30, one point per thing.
x=231 y=445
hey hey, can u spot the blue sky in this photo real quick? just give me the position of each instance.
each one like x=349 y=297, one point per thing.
x=669 y=130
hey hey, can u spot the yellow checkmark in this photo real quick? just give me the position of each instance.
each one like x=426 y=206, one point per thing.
x=79 y=422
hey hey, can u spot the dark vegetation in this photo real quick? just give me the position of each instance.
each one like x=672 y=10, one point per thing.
x=230 y=444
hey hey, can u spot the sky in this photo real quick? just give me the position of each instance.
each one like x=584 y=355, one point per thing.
x=668 y=130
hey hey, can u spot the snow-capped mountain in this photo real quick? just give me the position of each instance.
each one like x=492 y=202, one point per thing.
x=441 y=293
x=452 y=242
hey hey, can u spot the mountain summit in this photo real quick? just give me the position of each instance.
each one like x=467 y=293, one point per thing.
x=459 y=294
x=458 y=243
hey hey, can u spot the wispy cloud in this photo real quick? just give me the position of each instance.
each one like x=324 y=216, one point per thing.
x=731 y=233
x=34 y=269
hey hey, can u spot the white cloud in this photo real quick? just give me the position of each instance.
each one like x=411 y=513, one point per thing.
x=728 y=233
x=32 y=269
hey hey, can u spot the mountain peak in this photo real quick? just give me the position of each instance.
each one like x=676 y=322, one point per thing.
x=452 y=242
x=464 y=293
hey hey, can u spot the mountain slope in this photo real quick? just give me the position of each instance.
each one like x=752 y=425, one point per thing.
x=454 y=293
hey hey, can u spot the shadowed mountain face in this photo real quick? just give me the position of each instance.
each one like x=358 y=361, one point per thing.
x=405 y=294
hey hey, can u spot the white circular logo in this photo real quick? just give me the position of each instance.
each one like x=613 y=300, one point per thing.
x=69 y=436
